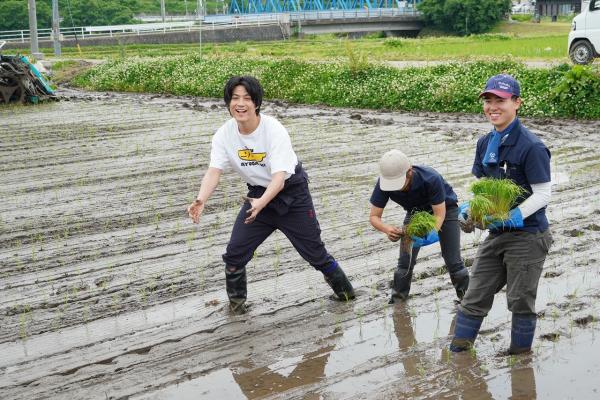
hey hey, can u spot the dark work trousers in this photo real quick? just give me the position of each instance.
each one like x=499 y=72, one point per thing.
x=297 y=221
x=450 y=244
x=514 y=259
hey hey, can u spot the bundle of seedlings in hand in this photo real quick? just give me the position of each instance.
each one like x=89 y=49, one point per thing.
x=421 y=223
x=493 y=199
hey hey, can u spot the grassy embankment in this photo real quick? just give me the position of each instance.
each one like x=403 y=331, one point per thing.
x=522 y=40
x=354 y=75
x=354 y=82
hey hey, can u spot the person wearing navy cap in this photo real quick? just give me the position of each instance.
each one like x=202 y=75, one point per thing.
x=418 y=188
x=514 y=252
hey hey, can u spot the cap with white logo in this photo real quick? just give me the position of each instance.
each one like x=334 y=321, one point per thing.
x=502 y=85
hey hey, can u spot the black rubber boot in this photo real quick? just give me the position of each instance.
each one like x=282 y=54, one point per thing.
x=401 y=284
x=460 y=280
x=340 y=284
x=235 y=282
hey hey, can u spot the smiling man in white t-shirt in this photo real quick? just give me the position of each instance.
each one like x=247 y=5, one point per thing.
x=259 y=148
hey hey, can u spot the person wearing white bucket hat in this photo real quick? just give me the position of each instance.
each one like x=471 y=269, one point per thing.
x=418 y=188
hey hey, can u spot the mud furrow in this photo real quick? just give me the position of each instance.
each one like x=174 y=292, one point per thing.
x=109 y=291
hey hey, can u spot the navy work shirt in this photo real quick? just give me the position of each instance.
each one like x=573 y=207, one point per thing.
x=525 y=160
x=427 y=188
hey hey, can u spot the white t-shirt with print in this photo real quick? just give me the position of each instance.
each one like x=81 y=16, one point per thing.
x=255 y=156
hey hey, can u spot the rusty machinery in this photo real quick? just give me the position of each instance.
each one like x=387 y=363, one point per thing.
x=20 y=81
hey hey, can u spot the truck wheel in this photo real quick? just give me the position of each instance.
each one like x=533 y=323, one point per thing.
x=582 y=53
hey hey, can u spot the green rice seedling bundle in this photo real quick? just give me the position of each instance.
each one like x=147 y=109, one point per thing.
x=420 y=224
x=493 y=198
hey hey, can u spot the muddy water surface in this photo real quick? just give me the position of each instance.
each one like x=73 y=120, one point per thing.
x=108 y=290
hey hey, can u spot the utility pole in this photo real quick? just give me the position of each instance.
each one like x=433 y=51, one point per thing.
x=56 y=28
x=162 y=10
x=33 y=33
x=200 y=14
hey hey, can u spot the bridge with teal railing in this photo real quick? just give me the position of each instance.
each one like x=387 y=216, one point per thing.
x=301 y=17
x=279 y=6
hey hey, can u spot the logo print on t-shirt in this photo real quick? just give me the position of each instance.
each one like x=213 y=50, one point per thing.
x=249 y=155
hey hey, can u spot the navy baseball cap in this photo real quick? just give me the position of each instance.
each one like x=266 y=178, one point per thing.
x=502 y=85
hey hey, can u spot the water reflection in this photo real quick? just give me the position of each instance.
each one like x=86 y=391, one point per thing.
x=403 y=328
x=285 y=375
x=468 y=373
x=471 y=376
x=366 y=359
x=522 y=382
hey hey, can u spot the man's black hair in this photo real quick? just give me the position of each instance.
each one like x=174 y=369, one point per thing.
x=252 y=86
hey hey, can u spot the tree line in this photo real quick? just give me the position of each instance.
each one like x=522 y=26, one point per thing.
x=461 y=17
x=14 y=13
x=464 y=17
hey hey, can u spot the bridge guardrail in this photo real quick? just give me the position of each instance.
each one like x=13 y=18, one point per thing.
x=86 y=32
x=208 y=22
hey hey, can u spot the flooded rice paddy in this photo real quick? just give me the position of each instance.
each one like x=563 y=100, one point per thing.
x=108 y=291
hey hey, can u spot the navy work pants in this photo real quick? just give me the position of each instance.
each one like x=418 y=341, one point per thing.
x=298 y=222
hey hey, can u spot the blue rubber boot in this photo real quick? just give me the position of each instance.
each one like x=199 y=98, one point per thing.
x=522 y=332
x=465 y=332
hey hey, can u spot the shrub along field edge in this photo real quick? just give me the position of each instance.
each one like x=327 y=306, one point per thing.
x=563 y=91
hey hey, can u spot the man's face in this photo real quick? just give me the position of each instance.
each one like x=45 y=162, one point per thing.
x=499 y=111
x=241 y=107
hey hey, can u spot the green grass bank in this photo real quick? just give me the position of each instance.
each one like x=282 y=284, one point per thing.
x=521 y=40
x=563 y=91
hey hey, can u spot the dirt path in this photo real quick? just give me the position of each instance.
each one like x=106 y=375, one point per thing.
x=420 y=64
x=108 y=290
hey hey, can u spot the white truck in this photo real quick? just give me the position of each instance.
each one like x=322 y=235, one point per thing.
x=584 y=38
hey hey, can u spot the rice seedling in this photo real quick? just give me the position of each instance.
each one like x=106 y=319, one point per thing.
x=420 y=224
x=413 y=313
x=115 y=302
x=446 y=356
x=190 y=240
x=157 y=220
x=473 y=352
x=493 y=199
x=421 y=369
x=143 y=294
x=201 y=276
x=86 y=313
x=360 y=313
x=480 y=207
x=374 y=289
x=277 y=261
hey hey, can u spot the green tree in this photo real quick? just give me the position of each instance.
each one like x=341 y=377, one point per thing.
x=97 y=12
x=464 y=16
x=14 y=15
